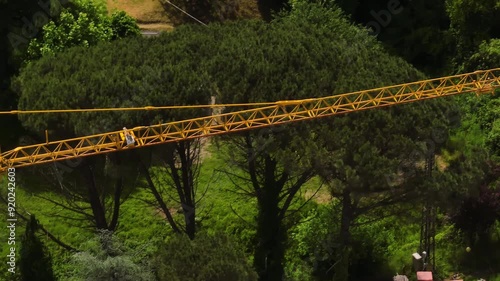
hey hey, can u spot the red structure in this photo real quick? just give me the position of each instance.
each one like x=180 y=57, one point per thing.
x=424 y=275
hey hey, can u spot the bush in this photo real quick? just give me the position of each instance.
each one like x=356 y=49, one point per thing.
x=206 y=258
x=123 y=25
x=85 y=23
x=106 y=259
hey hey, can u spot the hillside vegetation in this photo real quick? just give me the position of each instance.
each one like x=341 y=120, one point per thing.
x=341 y=198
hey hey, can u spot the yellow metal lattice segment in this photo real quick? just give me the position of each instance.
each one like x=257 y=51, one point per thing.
x=280 y=112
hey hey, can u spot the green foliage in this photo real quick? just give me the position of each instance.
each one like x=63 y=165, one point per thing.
x=357 y=157
x=93 y=268
x=472 y=22
x=488 y=118
x=123 y=25
x=415 y=30
x=482 y=259
x=134 y=231
x=310 y=52
x=214 y=258
x=105 y=258
x=85 y=24
x=18 y=24
x=312 y=245
x=463 y=12
x=447 y=256
x=480 y=129
x=486 y=57
x=133 y=72
x=62 y=224
x=379 y=248
x=221 y=197
x=35 y=262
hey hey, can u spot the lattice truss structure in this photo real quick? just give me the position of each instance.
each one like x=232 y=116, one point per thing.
x=280 y=112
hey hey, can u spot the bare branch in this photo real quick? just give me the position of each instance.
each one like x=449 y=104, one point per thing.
x=295 y=188
x=234 y=211
x=206 y=189
x=305 y=203
x=238 y=186
x=42 y=228
x=78 y=211
x=379 y=218
x=390 y=200
x=160 y=201
x=251 y=164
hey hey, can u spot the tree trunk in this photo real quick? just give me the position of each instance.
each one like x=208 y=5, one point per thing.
x=268 y=183
x=189 y=218
x=341 y=267
x=180 y=163
x=95 y=199
x=158 y=197
x=116 y=203
x=184 y=149
x=269 y=251
x=117 y=195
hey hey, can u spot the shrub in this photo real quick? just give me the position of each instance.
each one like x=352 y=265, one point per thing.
x=206 y=258
x=105 y=259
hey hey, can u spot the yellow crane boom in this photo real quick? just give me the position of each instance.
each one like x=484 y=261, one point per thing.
x=280 y=112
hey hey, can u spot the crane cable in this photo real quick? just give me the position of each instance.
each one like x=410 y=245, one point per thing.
x=260 y=104
x=137 y=108
x=140 y=108
x=191 y=16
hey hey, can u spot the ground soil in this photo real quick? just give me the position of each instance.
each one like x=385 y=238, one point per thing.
x=151 y=15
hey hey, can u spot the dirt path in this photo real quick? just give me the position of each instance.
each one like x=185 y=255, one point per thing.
x=149 y=14
x=156 y=27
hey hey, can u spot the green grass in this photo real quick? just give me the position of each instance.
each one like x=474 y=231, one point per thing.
x=139 y=224
x=220 y=210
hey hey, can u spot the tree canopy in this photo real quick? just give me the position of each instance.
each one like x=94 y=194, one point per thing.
x=373 y=162
x=84 y=23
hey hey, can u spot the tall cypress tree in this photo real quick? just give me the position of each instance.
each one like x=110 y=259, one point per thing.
x=35 y=262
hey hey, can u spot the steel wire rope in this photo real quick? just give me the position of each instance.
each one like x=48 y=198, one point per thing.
x=137 y=108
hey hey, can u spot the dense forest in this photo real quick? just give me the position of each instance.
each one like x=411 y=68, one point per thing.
x=343 y=198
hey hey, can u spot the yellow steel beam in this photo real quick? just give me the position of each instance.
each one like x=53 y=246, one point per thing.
x=281 y=112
